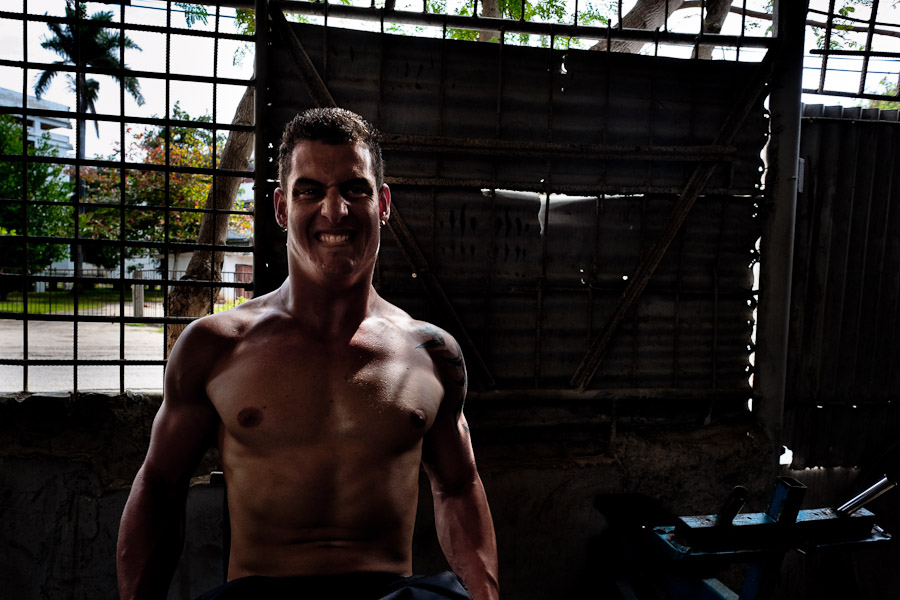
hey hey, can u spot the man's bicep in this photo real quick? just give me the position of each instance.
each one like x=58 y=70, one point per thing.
x=186 y=424
x=448 y=457
x=182 y=433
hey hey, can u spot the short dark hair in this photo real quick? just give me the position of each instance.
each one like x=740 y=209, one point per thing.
x=330 y=126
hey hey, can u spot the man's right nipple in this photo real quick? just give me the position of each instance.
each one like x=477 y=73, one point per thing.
x=250 y=417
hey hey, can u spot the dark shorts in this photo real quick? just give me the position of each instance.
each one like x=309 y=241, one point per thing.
x=353 y=586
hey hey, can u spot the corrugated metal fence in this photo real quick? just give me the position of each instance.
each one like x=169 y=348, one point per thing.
x=843 y=378
x=481 y=141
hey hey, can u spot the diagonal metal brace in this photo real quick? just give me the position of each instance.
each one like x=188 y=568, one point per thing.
x=302 y=64
x=695 y=185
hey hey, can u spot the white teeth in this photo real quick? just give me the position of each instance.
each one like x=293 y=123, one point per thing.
x=330 y=238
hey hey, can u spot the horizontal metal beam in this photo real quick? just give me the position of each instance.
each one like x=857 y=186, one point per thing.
x=170 y=246
x=843 y=94
x=537 y=186
x=122 y=71
x=62 y=362
x=469 y=146
x=570 y=395
x=477 y=23
x=244 y=285
x=43 y=18
x=120 y=164
x=86 y=318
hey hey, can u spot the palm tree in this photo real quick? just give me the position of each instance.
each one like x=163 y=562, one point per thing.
x=86 y=43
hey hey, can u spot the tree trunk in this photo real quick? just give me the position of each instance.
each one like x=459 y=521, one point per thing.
x=490 y=8
x=651 y=14
x=716 y=12
x=206 y=265
x=645 y=14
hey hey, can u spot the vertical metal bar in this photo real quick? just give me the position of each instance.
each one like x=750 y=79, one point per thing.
x=122 y=237
x=865 y=68
x=499 y=115
x=325 y=42
x=25 y=197
x=829 y=23
x=778 y=228
x=81 y=135
x=737 y=55
x=703 y=13
x=381 y=39
x=213 y=257
x=167 y=201
x=261 y=269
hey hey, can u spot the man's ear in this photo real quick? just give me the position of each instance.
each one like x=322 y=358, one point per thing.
x=384 y=203
x=280 y=208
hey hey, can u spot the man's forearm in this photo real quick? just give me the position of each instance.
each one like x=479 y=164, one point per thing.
x=151 y=536
x=466 y=533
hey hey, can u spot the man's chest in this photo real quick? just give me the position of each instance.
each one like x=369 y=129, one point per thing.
x=294 y=392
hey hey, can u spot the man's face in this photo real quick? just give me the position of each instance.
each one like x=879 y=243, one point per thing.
x=332 y=210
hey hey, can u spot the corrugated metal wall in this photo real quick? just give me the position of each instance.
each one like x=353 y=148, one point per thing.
x=479 y=140
x=843 y=378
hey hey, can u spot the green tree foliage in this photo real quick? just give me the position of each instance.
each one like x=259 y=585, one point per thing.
x=888 y=88
x=550 y=11
x=44 y=211
x=87 y=43
x=144 y=213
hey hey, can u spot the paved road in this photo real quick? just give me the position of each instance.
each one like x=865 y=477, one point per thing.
x=99 y=341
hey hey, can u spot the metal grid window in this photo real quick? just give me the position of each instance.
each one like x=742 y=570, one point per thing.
x=179 y=72
x=98 y=217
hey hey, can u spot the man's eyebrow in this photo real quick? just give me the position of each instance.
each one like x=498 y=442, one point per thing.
x=358 y=181
x=306 y=182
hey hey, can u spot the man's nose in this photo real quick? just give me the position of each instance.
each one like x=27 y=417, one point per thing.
x=334 y=206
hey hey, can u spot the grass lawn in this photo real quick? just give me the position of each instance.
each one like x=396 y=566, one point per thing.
x=64 y=300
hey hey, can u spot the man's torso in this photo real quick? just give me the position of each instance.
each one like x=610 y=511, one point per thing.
x=321 y=442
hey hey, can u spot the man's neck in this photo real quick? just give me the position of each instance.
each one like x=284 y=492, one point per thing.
x=329 y=314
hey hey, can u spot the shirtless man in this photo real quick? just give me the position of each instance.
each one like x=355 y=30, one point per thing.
x=324 y=399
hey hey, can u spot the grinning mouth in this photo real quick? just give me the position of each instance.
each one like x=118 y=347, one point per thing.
x=333 y=238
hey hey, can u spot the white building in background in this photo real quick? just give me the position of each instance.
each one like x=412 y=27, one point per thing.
x=39 y=125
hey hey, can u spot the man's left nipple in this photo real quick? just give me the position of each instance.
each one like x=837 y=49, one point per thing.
x=250 y=417
x=419 y=418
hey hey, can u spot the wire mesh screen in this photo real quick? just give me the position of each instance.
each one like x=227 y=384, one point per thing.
x=116 y=124
x=854 y=50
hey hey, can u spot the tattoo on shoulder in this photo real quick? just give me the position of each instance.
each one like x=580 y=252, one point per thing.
x=452 y=356
x=436 y=341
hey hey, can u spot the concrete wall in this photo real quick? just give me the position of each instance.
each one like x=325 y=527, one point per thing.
x=66 y=465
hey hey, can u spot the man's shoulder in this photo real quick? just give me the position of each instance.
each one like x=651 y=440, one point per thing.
x=425 y=334
x=230 y=325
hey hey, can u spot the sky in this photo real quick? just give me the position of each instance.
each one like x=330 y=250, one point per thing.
x=194 y=56
x=190 y=56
